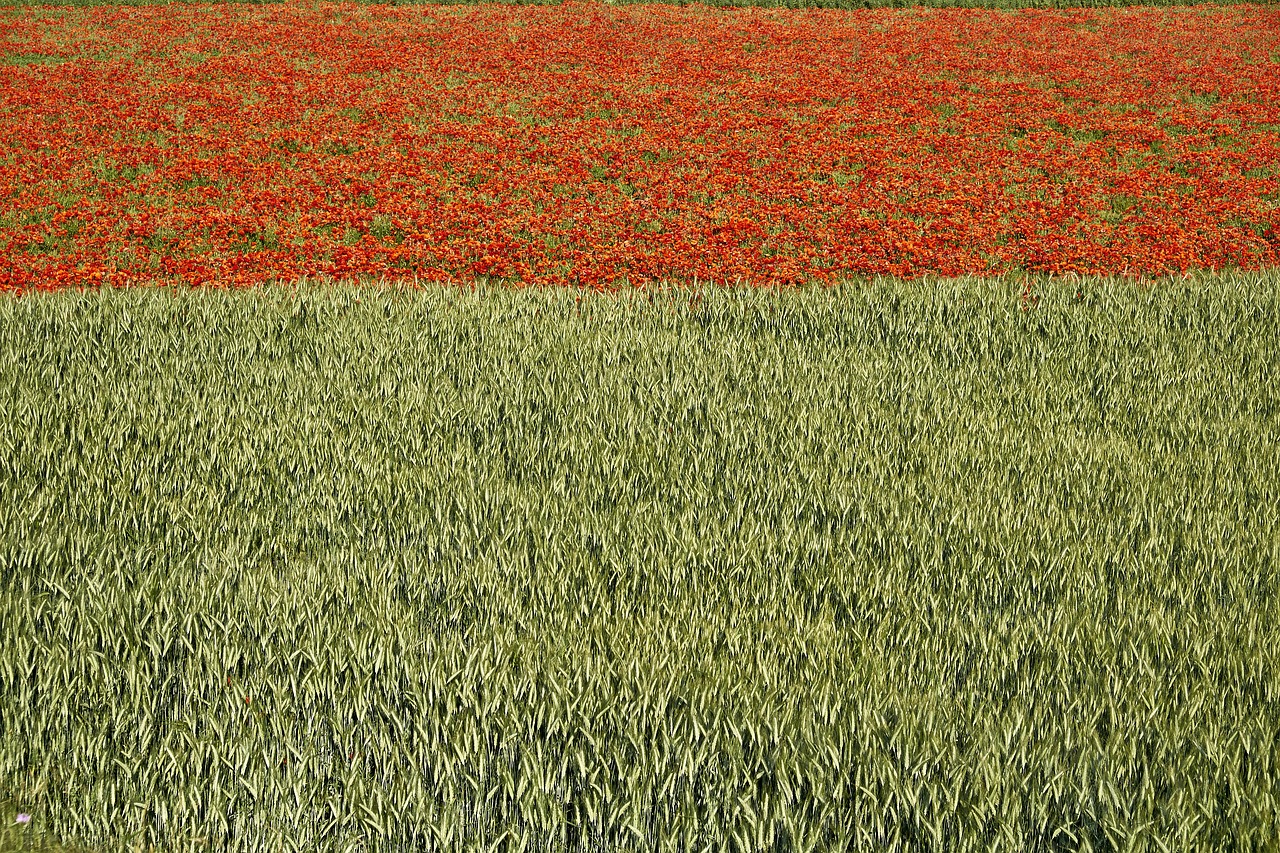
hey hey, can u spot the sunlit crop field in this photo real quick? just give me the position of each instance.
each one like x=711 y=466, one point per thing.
x=886 y=567
x=625 y=427
x=597 y=145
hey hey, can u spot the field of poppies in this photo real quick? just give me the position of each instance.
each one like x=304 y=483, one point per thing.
x=597 y=145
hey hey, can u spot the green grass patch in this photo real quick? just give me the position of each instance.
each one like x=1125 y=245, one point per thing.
x=368 y=566
x=30 y=59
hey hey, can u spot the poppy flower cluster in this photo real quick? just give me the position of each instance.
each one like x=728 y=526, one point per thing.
x=593 y=145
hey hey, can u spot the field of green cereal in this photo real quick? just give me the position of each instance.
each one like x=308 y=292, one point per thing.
x=914 y=566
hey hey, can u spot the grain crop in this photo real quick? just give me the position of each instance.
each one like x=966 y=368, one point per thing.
x=955 y=565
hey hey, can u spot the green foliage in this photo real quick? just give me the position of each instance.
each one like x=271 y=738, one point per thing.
x=891 y=566
x=30 y=59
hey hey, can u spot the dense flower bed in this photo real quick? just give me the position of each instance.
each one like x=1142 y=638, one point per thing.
x=593 y=144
